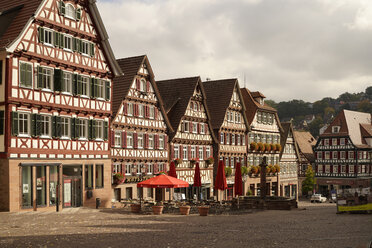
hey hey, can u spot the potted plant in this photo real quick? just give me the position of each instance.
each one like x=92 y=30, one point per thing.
x=177 y=161
x=267 y=147
x=118 y=178
x=244 y=170
x=209 y=160
x=228 y=171
x=261 y=147
x=184 y=209
x=135 y=207
x=268 y=169
x=273 y=169
x=193 y=161
x=253 y=146
x=203 y=210
x=278 y=147
x=277 y=168
x=273 y=147
x=158 y=208
x=254 y=169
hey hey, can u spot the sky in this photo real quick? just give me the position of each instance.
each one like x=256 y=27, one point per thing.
x=286 y=49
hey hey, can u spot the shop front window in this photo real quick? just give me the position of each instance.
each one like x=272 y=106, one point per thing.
x=53 y=182
x=89 y=176
x=99 y=175
x=41 y=185
x=27 y=186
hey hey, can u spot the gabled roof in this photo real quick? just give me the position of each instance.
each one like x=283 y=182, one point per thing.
x=305 y=142
x=130 y=67
x=287 y=128
x=350 y=125
x=366 y=130
x=219 y=94
x=17 y=15
x=252 y=106
x=176 y=94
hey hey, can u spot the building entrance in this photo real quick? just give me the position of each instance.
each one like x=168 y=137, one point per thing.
x=72 y=186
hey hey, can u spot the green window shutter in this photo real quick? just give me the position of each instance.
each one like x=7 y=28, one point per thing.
x=58 y=76
x=74 y=84
x=54 y=127
x=90 y=130
x=2 y=124
x=62 y=8
x=92 y=93
x=79 y=84
x=72 y=128
x=39 y=77
x=38 y=125
x=77 y=131
x=28 y=74
x=78 y=14
x=33 y=124
x=96 y=87
x=22 y=68
x=58 y=127
x=107 y=93
x=41 y=34
x=91 y=50
x=94 y=127
x=80 y=42
x=14 y=123
x=105 y=130
x=74 y=44
x=56 y=39
x=61 y=40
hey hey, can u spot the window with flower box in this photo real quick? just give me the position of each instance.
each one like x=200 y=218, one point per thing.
x=208 y=151
x=201 y=153
x=185 y=153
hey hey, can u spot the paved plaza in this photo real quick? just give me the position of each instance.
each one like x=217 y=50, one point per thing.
x=312 y=225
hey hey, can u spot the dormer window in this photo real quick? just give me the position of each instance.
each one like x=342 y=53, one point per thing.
x=336 y=129
x=70 y=11
x=143 y=85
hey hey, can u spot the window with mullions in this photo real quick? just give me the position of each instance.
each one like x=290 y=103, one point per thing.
x=89 y=176
x=45 y=78
x=208 y=152
x=45 y=125
x=99 y=175
x=151 y=141
x=27 y=186
x=85 y=86
x=129 y=140
x=100 y=93
x=143 y=85
x=24 y=124
x=67 y=42
x=85 y=46
x=130 y=109
x=185 y=153
x=161 y=142
x=176 y=151
x=70 y=11
x=67 y=82
x=48 y=36
x=201 y=153
x=140 y=140
x=82 y=126
x=99 y=129
x=25 y=74
x=65 y=127
x=117 y=139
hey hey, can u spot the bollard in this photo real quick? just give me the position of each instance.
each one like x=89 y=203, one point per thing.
x=98 y=202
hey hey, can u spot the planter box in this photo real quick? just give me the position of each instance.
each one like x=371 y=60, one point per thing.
x=185 y=210
x=135 y=208
x=203 y=210
x=157 y=210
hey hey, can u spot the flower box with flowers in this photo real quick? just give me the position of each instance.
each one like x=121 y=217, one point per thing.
x=177 y=161
x=193 y=162
x=209 y=160
x=118 y=178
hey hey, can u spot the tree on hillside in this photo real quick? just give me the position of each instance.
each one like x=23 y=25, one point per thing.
x=271 y=103
x=308 y=183
x=292 y=108
x=365 y=106
x=369 y=92
x=315 y=125
x=347 y=97
x=319 y=106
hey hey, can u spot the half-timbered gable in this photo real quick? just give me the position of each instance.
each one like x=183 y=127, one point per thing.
x=343 y=152
x=58 y=69
x=139 y=147
x=229 y=123
x=192 y=138
x=263 y=138
x=289 y=162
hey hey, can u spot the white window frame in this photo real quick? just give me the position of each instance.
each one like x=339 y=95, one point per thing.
x=67 y=43
x=150 y=169
x=232 y=165
x=83 y=128
x=46 y=123
x=117 y=139
x=85 y=47
x=100 y=89
x=334 y=142
x=227 y=138
x=140 y=140
x=27 y=71
x=85 y=86
x=327 y=155
x=201 y=153
x=141 y=110
x=351 y=168
x=319 y=155
x=128 y=169
x=130 y=140
x=26 y=123
x=326 y=142
x=202 y=128
x=195 y=127
x=151 y=141
x=67 y=82
x=207 y=152
x=143 y=85
x=351 y=155
x=342 y=154
x=320 y=168
x=152 y=112
x=185 y=153
x=47 y=78
x=334 y=155
x=65 y=127
x=48 y=37
x=99 y=130
x=342 y=141
x=335 y=169
x=176 y=151
x=186 y=127
x=161 y=142
x=232 y=139
x=130 y=109
x=193 y=152
x=70 y=11
x=222 y=137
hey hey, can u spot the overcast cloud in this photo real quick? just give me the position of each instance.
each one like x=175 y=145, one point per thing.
x=287 y=49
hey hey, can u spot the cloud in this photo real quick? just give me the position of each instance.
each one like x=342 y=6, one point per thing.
x=288 y=49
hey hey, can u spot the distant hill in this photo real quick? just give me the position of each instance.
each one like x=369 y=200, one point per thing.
x=312 y=116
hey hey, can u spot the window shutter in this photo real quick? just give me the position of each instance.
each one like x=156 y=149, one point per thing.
x=54 y=127
x=92 y=92
x=156 y=141
x=125 y=108
x=72 y=128
x=90 y=130
x=224 y=138
x=79 y=84
x=105 y=130
x=124 y=139
x=94 y=129
x=156 y=113
x=123 y=168
x=58 y=126
x=112 y=138
x=189 y=152
x=33 y=124
x=135 y=112
x=62 y=8
x=146 y=137
x=39 y=77
x=61 y=40
x=78 y=14
x=204 y=153
x=80 y=45
x=56 y=39
x=190 y=127
x=2 y=118
x=14 y=123
x=197 y=152
x=206 y=128
x=91 y=50
x=148 y=86
x=38 y=125
x=135 y=140
x=41 y=34
x=77 y=130
x=108 y=92
x=181 y=151
x=74 y=44
x=74 y=85
x=138 y=84
x=165 y=142
x=58 y=80
x=172 y=152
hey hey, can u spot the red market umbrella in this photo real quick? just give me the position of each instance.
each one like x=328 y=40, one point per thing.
x=220 y=183
x=172 y=170
x=163 y=181
x=238 y=186
x=197 y=179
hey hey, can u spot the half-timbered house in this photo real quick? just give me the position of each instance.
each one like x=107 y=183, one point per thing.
x=344 y=153
x=229 y=124
x=263 y=140
x=140 y=127
x=289 y=162
x=55 y=103
x=305 y=142
x=192 y=138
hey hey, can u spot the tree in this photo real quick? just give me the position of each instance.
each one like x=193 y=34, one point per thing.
x=365 y=106
x=308 y=183
x=271 y=103
x=315 y=125
x=369 y=92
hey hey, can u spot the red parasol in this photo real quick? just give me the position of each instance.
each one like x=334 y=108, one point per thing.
x=221 y=177
x=163 y=181
x=238 y=180
x=197 y=179
x=172 y=170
